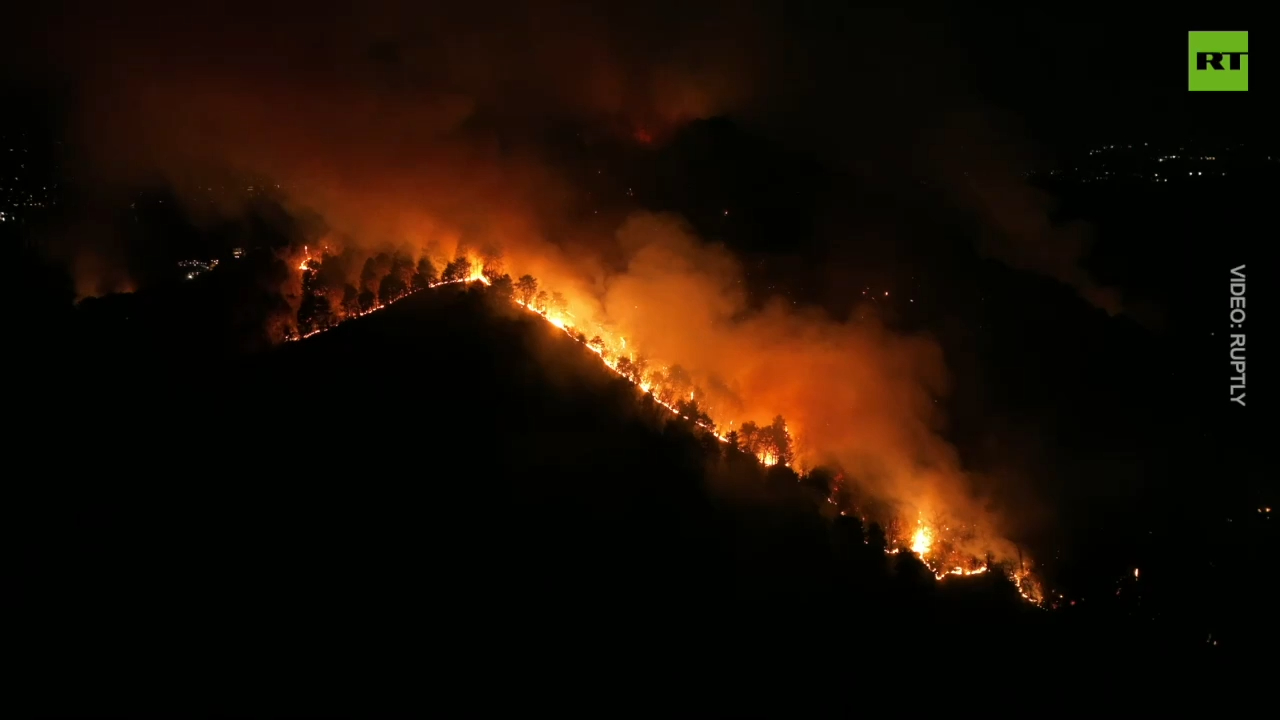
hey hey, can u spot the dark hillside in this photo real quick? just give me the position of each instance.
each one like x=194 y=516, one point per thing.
x=411 y=493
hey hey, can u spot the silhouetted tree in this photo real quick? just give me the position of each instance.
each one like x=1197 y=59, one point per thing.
x=493 y=266
x=424 y=275
x=733 y=441
x=391 y=288
x=330 y=277
x=526 y=288
x=597 y=342
x=779 y=440
x=367 y=300
x=540 y=301
x=309 y=275
x=457 y=269
x=557 y=302
x=710 y=443
x=626 y=369
x=314 y=313
x=689 y=409
x=350 y=299
x=640 y=366
x=369 y=276
x=403 y=266
x=580 y=337
x=821 y=481
x=751 y=437
x=502 y=286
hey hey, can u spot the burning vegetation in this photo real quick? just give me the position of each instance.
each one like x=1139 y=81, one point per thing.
x=329 y=298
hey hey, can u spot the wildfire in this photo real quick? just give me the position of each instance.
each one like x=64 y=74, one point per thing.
x=937 y=551
x=477 y=273
x=936 y=546
x=922 y=541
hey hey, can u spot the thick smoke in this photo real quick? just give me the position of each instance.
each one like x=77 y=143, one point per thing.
x=854 y=393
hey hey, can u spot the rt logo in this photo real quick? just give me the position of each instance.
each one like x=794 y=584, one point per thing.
x=1219 y=61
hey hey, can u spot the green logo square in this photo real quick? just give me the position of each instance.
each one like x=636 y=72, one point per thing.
x=1219 y=61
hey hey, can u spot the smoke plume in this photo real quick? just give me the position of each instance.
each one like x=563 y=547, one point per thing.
x=984 y=170
x=855 y=394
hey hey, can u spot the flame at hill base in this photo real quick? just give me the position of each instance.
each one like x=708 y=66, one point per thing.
x=948 y=548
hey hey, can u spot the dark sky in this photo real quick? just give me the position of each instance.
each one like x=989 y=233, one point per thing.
x=1061 y=73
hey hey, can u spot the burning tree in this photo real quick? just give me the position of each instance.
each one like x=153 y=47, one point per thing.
x=779 y=441
x=458 y=269
x=627 y=369
x=639 y=366
x=424 y=275
x=369 y=276
x=750 y=436
x=526 y=288
x=392 y=286
x=503 y=286
x=493 y=264
x=674 y=384
x=733 y=440
x=771 y=444
x=350 y=300
x=314 y=313
x=689 y=409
